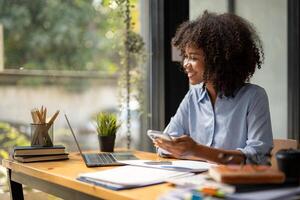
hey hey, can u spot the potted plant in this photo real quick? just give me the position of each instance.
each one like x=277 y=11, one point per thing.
x=107 y=127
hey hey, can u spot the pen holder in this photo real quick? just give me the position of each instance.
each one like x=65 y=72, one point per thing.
x=41 y=135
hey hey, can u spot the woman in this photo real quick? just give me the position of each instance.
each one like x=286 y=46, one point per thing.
x=222 y=118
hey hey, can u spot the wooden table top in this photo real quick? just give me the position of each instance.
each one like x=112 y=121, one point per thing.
x=65 y=173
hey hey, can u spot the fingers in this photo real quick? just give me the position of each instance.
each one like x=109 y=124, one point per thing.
x=182 y=138
x=163 y=143
x=174 y=142
x=178 y=147
x=161 y=140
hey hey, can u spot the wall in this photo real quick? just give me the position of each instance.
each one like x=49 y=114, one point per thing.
x=270 y=19
x=197 y=7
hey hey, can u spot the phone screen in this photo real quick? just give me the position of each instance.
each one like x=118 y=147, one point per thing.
x=158 y=134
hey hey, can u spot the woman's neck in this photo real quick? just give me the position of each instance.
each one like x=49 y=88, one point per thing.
x=212 y=92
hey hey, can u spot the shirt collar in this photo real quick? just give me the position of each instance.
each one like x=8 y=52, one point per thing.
x=202 y=92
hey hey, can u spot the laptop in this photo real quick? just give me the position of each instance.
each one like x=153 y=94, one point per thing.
x=104 y=158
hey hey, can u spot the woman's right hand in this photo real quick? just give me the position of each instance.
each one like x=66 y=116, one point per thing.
x=183 y=147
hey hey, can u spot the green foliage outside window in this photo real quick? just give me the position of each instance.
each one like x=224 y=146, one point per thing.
x=9 y=137
x=132 y=54
x=60 y=35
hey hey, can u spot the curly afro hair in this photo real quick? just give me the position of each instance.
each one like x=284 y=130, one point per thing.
x=231 y=46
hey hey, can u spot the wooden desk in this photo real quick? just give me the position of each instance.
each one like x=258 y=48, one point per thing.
x=59 y=178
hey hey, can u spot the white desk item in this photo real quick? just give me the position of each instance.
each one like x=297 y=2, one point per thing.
x=128 y=177
x=176 y=165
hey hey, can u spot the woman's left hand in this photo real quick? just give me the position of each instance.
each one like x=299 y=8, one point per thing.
x=180 y=147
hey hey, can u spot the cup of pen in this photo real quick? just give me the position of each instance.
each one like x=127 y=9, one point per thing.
x=41 y=134
x=41 y=129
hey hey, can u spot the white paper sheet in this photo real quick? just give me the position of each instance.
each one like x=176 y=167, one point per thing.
x=132 y=175
x=177 y=165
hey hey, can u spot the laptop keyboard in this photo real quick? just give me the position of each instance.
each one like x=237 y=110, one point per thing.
x=103 y=158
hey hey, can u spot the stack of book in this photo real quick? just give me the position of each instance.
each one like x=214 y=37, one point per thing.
x=37 y=153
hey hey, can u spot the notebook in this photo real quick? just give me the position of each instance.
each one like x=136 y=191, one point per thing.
x=247 y=174
x=101 y=159
x=126 y=177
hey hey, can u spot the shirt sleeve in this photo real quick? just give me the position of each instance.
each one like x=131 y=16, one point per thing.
x=178 y=124
x=259 y=139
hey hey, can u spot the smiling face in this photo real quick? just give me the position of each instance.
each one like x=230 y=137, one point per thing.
x=193 y=64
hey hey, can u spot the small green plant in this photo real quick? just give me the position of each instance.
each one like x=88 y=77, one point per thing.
x=9 y=137
x=107 y=124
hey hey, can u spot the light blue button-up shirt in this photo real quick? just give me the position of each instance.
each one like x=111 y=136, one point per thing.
x=240 y=123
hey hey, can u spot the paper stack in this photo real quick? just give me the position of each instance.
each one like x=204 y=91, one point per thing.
x=175 y=165
x=129 y=177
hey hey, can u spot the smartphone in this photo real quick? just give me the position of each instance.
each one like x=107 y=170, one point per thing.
x=158 y=134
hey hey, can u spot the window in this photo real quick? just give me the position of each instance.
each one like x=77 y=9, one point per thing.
x=63 y=55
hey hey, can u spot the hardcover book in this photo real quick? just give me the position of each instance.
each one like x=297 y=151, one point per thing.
x=41 y=158
x=36 y=150
x=247 y=174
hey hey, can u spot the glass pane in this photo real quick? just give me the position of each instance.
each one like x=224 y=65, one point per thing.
x=64 y=55
x=60 y=35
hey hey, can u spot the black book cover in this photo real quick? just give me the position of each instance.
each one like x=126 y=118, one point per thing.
x=16 y=148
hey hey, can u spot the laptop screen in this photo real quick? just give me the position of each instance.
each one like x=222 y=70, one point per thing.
x=74 y=136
